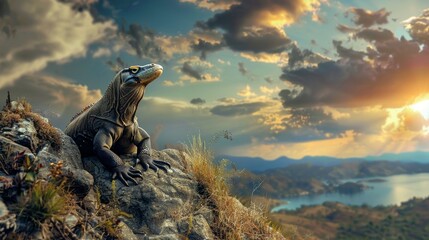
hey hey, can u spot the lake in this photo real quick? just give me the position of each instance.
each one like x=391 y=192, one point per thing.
x=393 y=190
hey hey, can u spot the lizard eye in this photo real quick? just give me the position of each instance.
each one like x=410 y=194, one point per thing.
x=134 y=69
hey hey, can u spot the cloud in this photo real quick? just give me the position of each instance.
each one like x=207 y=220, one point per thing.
x=195 y=70
x=101 y=52
x=187 y=69
x=242 y=69
x=246 y=92
x=269 y=91
x=226 y=100
x=116 y=65
x=212 y=5
x=206 y=47
x=257 y=26
x=302 y=58
x=277 y=58
x=269 y=80
x=4 y=8
x=146 y=43
x=374 y=35
x=169 y=83
x=347 y=53
x=50 y=31
x=345 y=29
x=418 y=27
x=57 y=98
x=390 y=73
x=367 y=18
x=237 y=109
x=197 y=101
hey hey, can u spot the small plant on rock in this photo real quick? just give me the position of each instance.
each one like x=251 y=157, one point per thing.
x=44 y=202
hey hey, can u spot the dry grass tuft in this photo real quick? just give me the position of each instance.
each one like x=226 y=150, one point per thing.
x=45 y=201
x=232 y=220
x=45 y=131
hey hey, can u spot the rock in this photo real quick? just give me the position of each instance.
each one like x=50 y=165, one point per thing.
x=78 y=181
x=199 y=229
x=7 y=221
x=126 y=232
x=8 y=150
x=163 y=237
x=71 y=221
x=23 y=133
x=69 y=152
x=154 y=201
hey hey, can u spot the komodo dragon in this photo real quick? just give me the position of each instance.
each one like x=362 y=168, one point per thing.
x=109 y=127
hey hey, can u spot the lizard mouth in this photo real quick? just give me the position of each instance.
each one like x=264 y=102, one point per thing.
x=152 y=77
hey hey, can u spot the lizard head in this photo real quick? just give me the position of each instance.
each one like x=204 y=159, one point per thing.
x=141 y=75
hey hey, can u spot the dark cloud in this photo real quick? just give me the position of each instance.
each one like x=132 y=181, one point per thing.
x=237 y=109
x=269 y=80
x=117 y=64
x=367 y=18
x=197 y=101
x=226 y=100
x=143 y=41
x=9 y=30
x=270 y=40
x=4 y=8
x=374 y=35
x=300 y=58
x=393 y=77
x=190 y=71
x=345 y=29
x=241 y=68
x=347 y=53
x=206 y=47
x=249 y=25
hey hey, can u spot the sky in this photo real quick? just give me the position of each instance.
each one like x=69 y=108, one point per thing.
x=260 y=78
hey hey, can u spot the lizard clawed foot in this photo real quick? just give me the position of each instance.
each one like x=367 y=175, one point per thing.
x=126 y=173
x=147 y=162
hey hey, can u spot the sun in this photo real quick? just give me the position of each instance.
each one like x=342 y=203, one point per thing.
x=422 y=107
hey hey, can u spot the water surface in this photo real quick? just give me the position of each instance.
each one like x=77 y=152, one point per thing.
x=392 y=191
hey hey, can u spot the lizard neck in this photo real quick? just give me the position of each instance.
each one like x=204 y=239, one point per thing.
x=129 y=102
x=119 y=103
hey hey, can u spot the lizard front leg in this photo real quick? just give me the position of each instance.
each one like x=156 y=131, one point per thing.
x=142 y=141
x=102 y=143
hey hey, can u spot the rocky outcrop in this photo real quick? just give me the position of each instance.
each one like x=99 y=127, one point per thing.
x=162 y=205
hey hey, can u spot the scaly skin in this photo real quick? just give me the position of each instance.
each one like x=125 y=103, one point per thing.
x=109 y=127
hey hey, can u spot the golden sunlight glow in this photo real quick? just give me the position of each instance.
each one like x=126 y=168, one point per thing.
x=422 y=107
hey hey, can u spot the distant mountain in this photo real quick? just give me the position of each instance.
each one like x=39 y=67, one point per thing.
x=257 y=164
x=422 y=157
